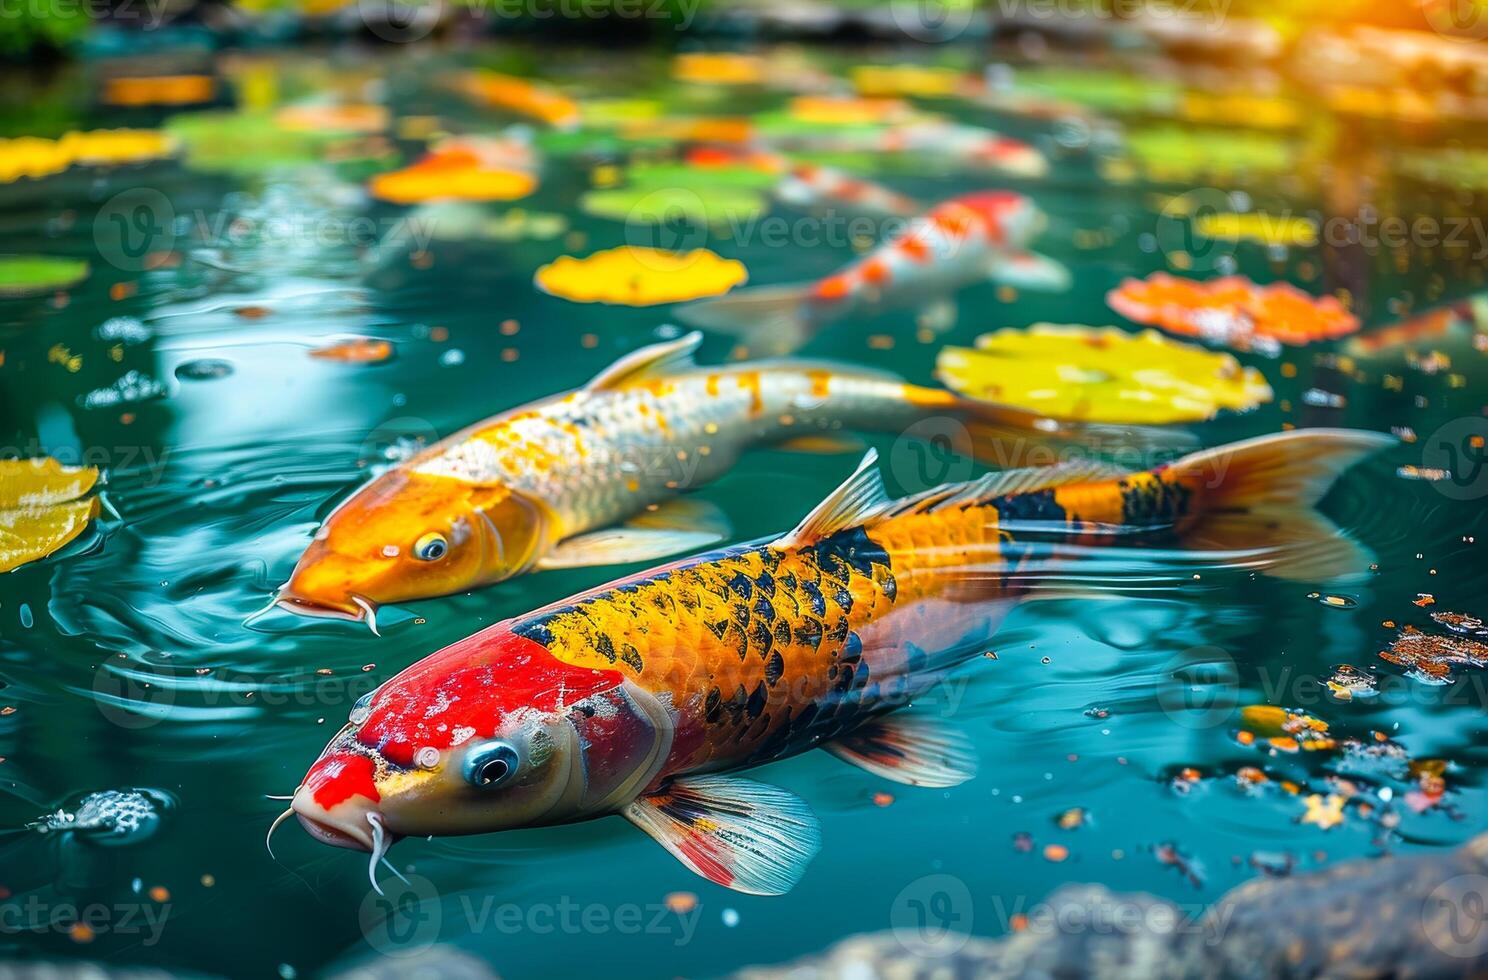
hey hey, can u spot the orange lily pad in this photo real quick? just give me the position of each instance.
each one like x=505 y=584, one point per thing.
x=522 y=96
x=719 y=68
x=159 y=90
x=633 y=276
x=459 y=173
x=1233 y=311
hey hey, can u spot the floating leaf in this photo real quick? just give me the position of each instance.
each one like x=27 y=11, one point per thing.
x=1101 y=375
x=1323 y=812
x=1233 y=311
x=634 y=276
x=141 y=90
x=1429 y=657
x=245 y=142
x=31 y=275
x=34 y=157
x=670 y=205
x=719 y=68
x=519 y=95
x=42 y=508
x=349 y=118
x=913 y=80
x=459 y=173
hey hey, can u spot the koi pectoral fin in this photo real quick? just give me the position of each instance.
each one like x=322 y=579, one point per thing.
x=1029 y=270
x=738 y=833
x=910 y=750
x=674 y=527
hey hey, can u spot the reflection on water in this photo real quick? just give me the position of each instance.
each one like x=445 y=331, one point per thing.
x=133 y=658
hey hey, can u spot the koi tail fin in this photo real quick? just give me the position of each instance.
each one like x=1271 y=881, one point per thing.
x=1258 y=498
x=769 y=320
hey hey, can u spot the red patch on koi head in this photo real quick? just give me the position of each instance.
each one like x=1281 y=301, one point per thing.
x=337 y=777
x=467 y=690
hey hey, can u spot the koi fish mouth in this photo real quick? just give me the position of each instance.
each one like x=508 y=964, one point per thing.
x=334 y=836
x=357 y=610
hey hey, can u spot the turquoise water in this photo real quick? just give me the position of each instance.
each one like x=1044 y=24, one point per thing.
x=128 y=663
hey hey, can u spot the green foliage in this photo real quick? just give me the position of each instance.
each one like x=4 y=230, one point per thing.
x=40 y=24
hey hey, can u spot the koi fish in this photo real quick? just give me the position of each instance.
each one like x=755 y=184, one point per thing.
x=811 y=186
x=955 y=244
x=544 y=485
x=968 y=146
x=646 y=697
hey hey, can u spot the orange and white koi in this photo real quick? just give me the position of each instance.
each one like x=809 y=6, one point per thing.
x=962 y=145
x=957 y=243
x=811 y=186
x=645 y=697
x=546 y=484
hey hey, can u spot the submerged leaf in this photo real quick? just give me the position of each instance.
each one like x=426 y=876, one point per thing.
x=1101 y=375
x=30 y=275
x=42 y=508
x=634 y=276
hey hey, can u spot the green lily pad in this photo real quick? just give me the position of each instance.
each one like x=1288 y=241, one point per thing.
x=251 y=143
x=654 y=176
x=668 y=205
x=34 y=275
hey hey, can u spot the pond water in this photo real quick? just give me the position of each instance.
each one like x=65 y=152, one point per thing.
x=1107 y=728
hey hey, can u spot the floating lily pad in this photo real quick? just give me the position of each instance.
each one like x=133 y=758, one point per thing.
x=670 y=205
x=33 y=275
x=632 y=276
x=42 y=507
x=1101 y=375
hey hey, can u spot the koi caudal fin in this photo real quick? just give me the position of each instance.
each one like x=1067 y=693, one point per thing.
x=769 y=320
x=1257 y=497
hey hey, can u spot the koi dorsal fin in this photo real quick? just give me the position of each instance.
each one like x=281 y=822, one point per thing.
x=1006 y=483
x=860 y=498
x=649 y=362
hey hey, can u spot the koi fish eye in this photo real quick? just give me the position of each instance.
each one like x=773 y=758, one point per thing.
x=430 y=547
x=490 y=764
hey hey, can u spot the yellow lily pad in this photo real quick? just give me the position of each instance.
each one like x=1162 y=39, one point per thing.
x=914 y=80
x=42 y=508
x=633 y=276
x=1101 y=375
x=30 y=156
